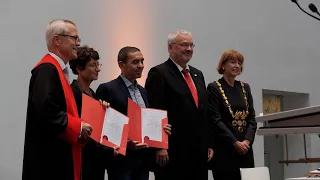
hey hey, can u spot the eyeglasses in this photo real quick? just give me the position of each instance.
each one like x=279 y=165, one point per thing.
x=95 y=65
x=75 y=38
x=186 y=45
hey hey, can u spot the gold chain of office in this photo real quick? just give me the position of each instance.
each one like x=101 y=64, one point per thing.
x=240 y=116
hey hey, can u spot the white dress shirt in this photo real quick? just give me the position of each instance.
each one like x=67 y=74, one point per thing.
x=62 y=65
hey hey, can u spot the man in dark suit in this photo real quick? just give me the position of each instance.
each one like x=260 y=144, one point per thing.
x=136 y=164
x=180 y=89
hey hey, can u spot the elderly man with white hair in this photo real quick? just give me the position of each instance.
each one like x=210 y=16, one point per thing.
x=180 y=89
x=54 y=132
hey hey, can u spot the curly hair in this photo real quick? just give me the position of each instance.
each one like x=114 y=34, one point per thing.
x=85 y=54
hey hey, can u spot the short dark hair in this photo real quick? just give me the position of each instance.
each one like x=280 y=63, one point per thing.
x=85 y=54
x=123 y=53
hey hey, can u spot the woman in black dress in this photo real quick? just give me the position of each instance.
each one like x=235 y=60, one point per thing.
x=231 y=111
x=95 y=156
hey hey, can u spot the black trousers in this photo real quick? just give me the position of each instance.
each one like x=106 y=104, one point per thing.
x=233 y=175
x=177 y=172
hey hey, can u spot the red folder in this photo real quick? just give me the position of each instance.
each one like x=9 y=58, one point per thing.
x=135 y=127
x=134 y=115
x=93 y=113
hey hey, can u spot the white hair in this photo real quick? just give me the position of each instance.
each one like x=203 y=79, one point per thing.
x=57 y=26
x=173 y=36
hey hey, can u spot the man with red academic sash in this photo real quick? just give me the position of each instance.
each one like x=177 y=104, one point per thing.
x=54 y=132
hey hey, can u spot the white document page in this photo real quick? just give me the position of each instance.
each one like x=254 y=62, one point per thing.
x=151 y=121
x=113 y=126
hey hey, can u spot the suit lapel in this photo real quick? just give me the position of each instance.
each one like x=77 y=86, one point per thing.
x=179 y=77
x=176 y=73
x=126 y=92
x=123 y=87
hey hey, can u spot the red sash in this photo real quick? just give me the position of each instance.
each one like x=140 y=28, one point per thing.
x=72 y=131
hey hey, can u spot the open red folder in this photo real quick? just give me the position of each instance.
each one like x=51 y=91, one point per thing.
x=94 y=113
x=136 y=124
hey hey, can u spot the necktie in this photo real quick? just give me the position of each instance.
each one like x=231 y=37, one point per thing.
x=66 y=73
x=192 y=88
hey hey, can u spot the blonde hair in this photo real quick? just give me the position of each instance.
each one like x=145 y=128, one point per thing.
x=229 y=55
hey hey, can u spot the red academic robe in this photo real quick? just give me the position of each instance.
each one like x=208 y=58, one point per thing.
x=51 y=149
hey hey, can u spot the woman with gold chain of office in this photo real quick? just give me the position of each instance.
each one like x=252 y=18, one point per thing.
x=231 y=113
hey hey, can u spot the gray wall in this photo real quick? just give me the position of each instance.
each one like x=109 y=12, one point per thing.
x=279 y=42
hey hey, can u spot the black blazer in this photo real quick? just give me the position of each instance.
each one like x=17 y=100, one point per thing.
x=225 y=157
x=168 y=90
x=116 y=93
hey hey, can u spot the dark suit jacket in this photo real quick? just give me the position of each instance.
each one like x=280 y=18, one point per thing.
x=226 y=158
x=168 y=90
x=116 y=93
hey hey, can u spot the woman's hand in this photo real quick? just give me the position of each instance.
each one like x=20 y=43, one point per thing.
x=241 y=147
x=104 y=104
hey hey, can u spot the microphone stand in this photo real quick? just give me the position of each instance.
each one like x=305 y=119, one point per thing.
x=296 y=2
x=313 y=8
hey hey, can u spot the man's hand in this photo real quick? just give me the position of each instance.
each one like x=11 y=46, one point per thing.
x=162 y=157
x=85 y=132
x=210 y=154
x=133 y=145
x=167 y=129
x=115 y=152
x=241 y=147
x=104 y=104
